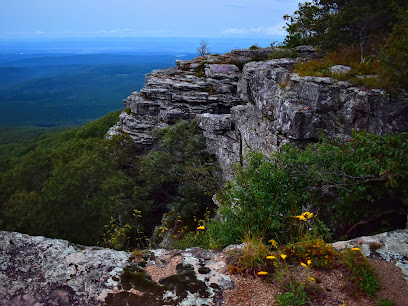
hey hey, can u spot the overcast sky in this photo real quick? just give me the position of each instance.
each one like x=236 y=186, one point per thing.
x=147 y=18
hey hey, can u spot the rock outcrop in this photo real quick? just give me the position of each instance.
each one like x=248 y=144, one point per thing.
x=259 y=107
x=42 y=271
x=389 y=246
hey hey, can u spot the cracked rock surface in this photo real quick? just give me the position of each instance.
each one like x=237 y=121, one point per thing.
x=43 y=271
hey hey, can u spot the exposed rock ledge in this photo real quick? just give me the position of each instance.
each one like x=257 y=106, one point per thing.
x=260 y=107
x=389 y=246
x=43 y=271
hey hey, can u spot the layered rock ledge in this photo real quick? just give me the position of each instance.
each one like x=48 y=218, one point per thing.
x=243 y=105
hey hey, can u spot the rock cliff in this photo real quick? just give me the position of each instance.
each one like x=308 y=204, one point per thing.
x=260 y=106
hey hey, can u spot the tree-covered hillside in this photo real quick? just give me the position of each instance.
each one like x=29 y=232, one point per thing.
x=74 y=183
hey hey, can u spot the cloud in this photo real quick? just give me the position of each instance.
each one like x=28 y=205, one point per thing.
x=158 y=31
x=239 y=31
x=114 y=31
x=272 y=30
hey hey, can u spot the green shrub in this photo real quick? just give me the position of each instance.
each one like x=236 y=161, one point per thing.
x=283 y=53
x=267 y=191
x=393 y=58
x=295 y=295
x=384 y=302
x=363 y=274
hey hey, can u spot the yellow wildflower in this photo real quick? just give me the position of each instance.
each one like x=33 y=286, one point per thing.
x=312 y=279
x=355 y=249
x=273 y=242
x=262 y=273
x=309 y=262
x=307 y=215
x=303 y=265
x=202 y=227
x=301 y=218
x=283 y=256
x=271 y=257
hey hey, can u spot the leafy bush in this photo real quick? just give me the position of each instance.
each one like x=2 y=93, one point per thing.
x=343 y=182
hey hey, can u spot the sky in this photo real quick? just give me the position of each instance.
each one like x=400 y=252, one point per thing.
x=147 y=18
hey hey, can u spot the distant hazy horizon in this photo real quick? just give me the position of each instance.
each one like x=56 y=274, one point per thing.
x=126 y=45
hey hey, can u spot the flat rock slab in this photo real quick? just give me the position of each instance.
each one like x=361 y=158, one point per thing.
x=44 y=271
x=389 y=246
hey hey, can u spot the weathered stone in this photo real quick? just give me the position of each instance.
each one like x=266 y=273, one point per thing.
x=213 y=122
x=340 y=69
x=251 y=53
x=267 y=105
x=389 y=246
x=218 y=71
x=42 y=271
x=305 y=51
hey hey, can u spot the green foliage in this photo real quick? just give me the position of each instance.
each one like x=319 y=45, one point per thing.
x=253 y=257
x=71 y=184
x=317 y=251
x=295 y=295
x=393 y=58
x=282 y=53
x=64 y=185
x=363 y=273
x=345 y=56
x=384 y=302
x=343 y=182
x=331 y=23
x=376 y=30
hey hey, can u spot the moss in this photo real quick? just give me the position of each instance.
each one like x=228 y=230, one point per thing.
x=139 y=280
x=200 y=70
x=185 y=281
x=126 y=298
x=127 y=110
x=135 y=277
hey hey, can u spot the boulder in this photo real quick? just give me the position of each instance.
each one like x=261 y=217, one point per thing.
x=340 y=69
